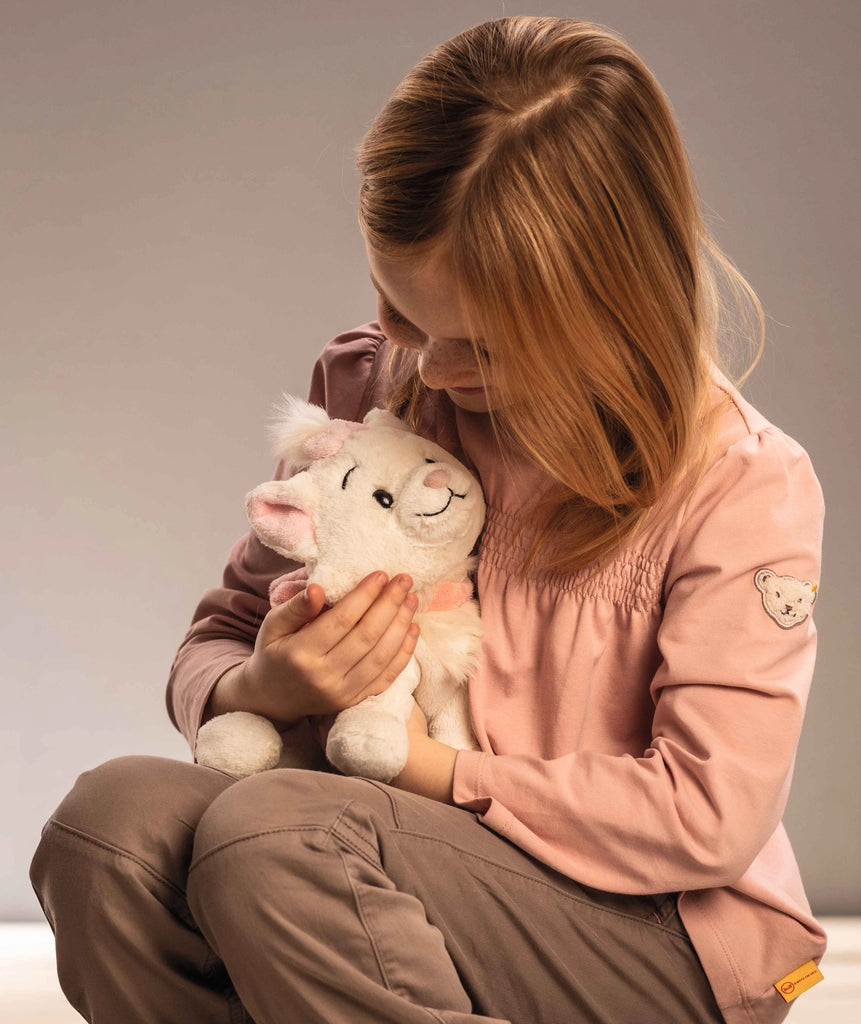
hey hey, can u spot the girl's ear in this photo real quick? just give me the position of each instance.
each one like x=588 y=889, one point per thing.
x=384 y=418
x=282 y=512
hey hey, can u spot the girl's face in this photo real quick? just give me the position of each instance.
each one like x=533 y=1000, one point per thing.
x=418 y=308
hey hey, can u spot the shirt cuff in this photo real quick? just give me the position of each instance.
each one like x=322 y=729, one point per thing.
x=467 y=780
x=221 y=656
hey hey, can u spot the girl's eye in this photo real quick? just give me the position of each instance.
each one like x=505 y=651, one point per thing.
x=393 y=316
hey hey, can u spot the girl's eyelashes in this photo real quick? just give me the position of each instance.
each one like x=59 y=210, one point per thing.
x=398 y=320
x=394 y=317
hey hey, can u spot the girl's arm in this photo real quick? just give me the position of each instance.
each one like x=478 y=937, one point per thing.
x=696 y=807
x=429 y=770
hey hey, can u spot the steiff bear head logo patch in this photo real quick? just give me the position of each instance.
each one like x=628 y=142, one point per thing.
x=787 y=600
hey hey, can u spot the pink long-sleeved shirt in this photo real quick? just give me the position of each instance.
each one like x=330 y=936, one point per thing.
x=637 y=728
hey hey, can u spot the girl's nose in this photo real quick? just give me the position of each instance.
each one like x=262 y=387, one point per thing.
x=438 y=478
x=445 y=363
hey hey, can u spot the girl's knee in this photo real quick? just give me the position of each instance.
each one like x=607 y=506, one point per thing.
x=143 y=809
x=137 y=814
x=281 y=800
x=129 y=796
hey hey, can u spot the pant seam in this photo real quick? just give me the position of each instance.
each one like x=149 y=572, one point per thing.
x=118 y=851
x=210 y=966
x=409 y=834
x=327 y=829
x=378 y=957
x=342 y=821
x=387 y=792
x=238 y=1013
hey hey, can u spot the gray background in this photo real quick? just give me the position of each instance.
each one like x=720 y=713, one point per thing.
x=178 y=205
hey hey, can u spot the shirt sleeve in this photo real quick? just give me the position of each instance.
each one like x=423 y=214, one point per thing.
x=225 y=624
x=729 y=695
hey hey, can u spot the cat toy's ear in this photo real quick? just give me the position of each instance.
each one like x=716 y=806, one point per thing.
x=282 y=514
x=295 y=422
x=303 y=432
x=384 y=418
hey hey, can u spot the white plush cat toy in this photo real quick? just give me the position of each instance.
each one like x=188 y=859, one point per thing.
x=362 y=497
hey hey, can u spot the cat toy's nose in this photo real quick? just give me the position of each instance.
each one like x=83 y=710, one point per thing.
x=438 y=478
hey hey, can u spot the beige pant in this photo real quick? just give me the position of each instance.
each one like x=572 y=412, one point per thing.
x=179 y=896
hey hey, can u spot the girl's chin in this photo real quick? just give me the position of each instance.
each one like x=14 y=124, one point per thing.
x=466 y=391
x=470 y=399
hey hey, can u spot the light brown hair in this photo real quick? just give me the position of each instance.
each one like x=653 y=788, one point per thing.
x=543 y=158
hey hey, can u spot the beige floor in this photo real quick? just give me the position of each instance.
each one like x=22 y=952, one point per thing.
x=29 y=993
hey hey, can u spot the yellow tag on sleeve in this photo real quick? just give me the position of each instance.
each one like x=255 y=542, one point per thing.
x=799 y=980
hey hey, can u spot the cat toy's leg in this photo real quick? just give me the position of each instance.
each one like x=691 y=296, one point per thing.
x=371 y=739
x=451 y=724
x=238 y=743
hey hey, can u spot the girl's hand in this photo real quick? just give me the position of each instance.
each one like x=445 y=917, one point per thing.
x=312 y=660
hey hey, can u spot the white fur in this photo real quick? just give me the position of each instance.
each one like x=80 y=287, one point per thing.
x=241 y=745
x=409 y=526
x=295 y=422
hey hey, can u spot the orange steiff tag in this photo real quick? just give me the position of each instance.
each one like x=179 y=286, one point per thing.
x=799 y=980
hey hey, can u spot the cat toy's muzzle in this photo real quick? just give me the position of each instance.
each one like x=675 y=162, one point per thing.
x=439 y=502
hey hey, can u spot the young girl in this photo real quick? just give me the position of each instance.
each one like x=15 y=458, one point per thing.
x=614 y=851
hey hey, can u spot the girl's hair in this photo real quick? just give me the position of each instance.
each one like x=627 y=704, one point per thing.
x=542 y=159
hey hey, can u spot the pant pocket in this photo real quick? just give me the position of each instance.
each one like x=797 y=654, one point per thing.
x=660 y=908
x=667 y=911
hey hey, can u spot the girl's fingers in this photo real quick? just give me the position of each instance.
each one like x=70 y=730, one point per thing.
x=299 y=610
x=394 y=668
x=332 y=625
x=394 y=605
x=379 y=663
x=333 y=655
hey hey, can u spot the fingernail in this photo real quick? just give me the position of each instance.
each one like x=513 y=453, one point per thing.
x=411 y=602
x=405 y=583
x=380 y=578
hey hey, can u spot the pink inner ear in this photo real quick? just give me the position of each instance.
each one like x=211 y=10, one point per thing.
x=284 y=527
x=331 y=440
